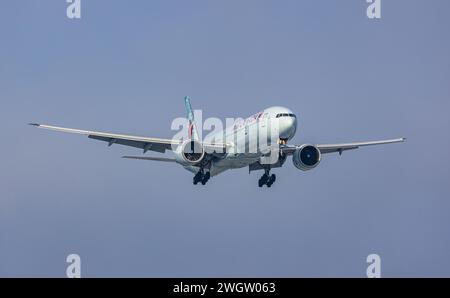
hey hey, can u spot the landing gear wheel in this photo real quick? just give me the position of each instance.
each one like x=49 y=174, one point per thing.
x=206 y=178
x=264 y=178
x=267 y=179
x=198 y=177
x=201 y=177
x=260 y=183
x=271 y=180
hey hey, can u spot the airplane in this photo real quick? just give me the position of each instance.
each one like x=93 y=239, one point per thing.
x=216 y=154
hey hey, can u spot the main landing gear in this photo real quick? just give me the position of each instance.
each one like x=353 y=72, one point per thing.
x=267 y=179
x=202 y=177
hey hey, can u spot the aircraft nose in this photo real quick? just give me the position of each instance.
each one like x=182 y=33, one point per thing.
x=288 y=127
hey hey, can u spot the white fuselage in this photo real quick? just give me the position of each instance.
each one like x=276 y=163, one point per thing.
x=279 y=123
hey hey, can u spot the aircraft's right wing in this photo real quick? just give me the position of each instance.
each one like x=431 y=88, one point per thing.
x=144 y=143
x=164 y=159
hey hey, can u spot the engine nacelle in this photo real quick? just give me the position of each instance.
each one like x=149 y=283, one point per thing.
x=306 y=157
x=192 y=152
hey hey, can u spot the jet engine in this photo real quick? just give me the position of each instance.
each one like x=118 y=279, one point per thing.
x=306 y=157
x=192 y=152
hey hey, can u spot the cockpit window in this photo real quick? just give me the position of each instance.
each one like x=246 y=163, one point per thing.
x=285 y=115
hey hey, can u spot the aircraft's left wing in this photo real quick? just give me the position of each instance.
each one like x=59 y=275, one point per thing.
x=330 y=148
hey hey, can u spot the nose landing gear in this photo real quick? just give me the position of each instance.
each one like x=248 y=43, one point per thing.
x=267 y=179
x=282 y=142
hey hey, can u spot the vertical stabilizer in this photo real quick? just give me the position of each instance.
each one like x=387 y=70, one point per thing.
x=192 y=129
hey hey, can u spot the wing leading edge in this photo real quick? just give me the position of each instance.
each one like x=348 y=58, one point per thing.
x=330 y=148
x=144 y=143
x=164 y=159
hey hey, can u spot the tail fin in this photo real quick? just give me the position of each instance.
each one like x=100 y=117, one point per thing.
x=192 y=130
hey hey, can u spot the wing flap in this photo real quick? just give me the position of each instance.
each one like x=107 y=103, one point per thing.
x=161 y=148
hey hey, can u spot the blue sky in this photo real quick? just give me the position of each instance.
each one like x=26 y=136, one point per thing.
x=125 y=67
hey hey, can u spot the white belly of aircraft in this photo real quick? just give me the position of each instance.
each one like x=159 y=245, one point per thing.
x=231 y=161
